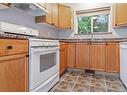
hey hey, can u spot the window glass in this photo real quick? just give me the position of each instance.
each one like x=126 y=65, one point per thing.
x=90 y=24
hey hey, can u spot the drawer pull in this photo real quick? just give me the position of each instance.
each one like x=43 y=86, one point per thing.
x=9 y=47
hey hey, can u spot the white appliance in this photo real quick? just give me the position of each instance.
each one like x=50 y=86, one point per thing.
x=43 y=64
x=34 y=9
x=17 y=29
x=123 y=62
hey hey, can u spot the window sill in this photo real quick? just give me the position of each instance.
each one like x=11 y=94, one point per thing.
x=95 y=33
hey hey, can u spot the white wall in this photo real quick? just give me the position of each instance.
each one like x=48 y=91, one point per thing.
x=85 y=6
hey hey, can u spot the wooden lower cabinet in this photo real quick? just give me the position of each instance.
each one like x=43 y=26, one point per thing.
x=14 y=73
x=93 y=56
x=112 y=57
x=63 y=57
x=71 y=55
x=82 y=55
x=97 y=56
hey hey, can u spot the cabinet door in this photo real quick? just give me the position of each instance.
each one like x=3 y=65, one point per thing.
x=120 y=15
x=55 y=14
x=64 y=17
x=71 y=55
x=82 y=55
x=62 y=62
x=14 y=73
x=63 y=57
x=112 y=57
x=49 y=15
x=97 y=54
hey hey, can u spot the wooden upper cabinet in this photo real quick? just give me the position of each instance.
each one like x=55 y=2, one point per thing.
x=71 y=55
x=60 y=16
x=119 y=14
x=82 y=55
x=52 y=16
x=55 y=14
x=112 y=57
x=48 y=17
x=65 y=17
x=97 y=56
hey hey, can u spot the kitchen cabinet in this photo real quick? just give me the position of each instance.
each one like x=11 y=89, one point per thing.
x=11 y=47
x=65 y=17
x=63 y=57
x=71 y=55
x=82 y=55
x=13 y=72
x=97 y=56
x=52 y=16
x=119 y=14
x=59 y=15
x=112 y=57
x=13 y=65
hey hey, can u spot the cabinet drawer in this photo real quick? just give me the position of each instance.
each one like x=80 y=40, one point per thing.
x=12 y=46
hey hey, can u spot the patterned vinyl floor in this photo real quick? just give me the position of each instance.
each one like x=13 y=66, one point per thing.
x=73 y=81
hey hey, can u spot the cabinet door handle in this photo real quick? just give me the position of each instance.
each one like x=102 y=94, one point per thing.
x=27 y=55
x=9 y=47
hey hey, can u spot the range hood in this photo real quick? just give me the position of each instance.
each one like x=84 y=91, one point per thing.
x=34 y=9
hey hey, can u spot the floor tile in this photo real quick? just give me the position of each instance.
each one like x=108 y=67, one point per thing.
x=65 y=86
x=96 y=89
x=114 y=86
x=83 y=81
x=110 y=90
x=70 y=79
x=63 y=77
x=74 y=74
x=81 y=88
x=97 y=83
x=112 y=79
x=99 y=77
x=85 y=76
x=59 y=90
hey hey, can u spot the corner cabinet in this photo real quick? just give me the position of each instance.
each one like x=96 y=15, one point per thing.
x=63 y=57
x=119 y=14
x=13 y=65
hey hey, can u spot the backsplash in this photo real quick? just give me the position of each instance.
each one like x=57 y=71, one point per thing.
x=16 y=16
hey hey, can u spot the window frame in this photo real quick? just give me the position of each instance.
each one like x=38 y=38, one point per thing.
x=100 y=12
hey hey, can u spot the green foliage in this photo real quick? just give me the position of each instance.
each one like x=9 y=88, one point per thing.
x=84 y=25
x=101 y=23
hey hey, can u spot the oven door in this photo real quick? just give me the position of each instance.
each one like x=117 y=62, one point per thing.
x=44 y=63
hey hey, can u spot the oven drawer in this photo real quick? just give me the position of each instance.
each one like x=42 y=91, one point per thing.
x=13 y=46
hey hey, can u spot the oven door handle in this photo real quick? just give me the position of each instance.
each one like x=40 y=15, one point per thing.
x=45 y=50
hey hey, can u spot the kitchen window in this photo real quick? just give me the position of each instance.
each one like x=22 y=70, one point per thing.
x=93 y=21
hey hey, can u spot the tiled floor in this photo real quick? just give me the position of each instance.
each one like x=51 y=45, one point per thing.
x=74 y=81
